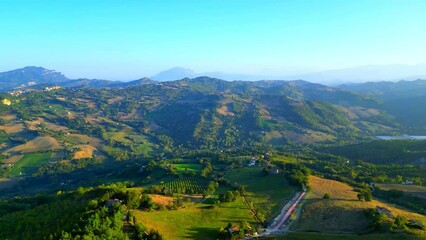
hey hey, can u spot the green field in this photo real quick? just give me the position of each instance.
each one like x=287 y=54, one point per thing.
x=141 y=144
x=27 y=165
x=137 y=142
x=416 y=190
x=119 y=136
x=269 y=193
x=196 y=221
x=188 y=167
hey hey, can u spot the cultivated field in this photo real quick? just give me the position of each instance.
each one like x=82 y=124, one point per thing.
x=55 y=127
x=13 y=159
x=13 y=129
x=38 y=144
x=8 y=116
x=188 y=167
x=83 y=139
x=161 y=199
x=187 y=184
x=84 y=151
x=416 y=190
x=342 y=213
x=139 y=143
x=29 y=163
x=33 y=125
x=337 y=190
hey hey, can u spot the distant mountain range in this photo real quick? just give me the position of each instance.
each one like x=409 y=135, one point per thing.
x=374 y=106
x=37 y=76
x=368 y=73
x=178 y=73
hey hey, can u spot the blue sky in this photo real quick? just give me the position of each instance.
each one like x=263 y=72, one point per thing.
x=131 y=39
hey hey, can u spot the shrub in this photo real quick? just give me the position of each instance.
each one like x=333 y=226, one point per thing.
x=326 y=196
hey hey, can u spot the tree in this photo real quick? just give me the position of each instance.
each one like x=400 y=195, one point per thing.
x=326 y=196
x=365 y=195
x=211 y=188
x=132 y=199
x=146 y=202
x=229 y=196
x=207 y=170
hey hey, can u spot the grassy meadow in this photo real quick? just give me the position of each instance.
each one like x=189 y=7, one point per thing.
x=196 y=220
x=188 y=167
x=269 y=193
x=342 y=213
x=28 y=164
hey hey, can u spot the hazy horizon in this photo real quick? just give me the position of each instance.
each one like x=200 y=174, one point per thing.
x=129 y=40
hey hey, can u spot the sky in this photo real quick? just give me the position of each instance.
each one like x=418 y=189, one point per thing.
x=124 y=40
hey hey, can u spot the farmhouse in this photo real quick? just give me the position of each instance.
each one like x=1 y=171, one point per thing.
x=387 y=212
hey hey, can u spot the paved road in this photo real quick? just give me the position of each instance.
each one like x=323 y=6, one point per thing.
x=285 y=214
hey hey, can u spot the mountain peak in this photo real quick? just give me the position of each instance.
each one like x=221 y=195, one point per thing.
x=175 y=73
x=29 y=76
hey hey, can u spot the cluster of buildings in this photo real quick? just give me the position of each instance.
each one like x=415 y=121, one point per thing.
x=18 y=92
x=48 y=89
x=255 y=159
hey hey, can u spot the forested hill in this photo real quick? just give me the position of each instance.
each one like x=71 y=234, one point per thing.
x=404 y=99
x=211 y=112
x=153 y=142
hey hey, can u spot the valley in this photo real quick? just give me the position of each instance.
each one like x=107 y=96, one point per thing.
x=205 y=158
x=212 y=120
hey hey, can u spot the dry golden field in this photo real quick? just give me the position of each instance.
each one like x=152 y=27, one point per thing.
x=38 y=144
x=343 y=212
x=13 y=128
